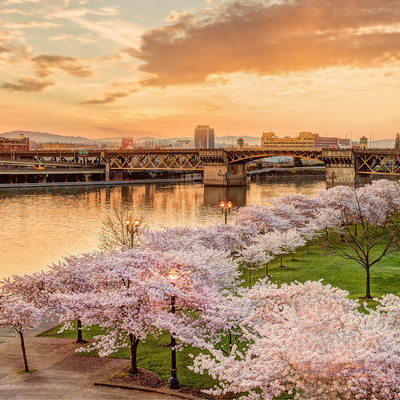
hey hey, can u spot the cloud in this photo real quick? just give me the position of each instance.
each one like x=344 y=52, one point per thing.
x=108 y=98
x=26 y=85
x=13 y=11
x=115 y=91
x=271 y=38
x=13 y=53
x=31 y=24
x=80 y=12
x=8 y=2
x=71 y=38
x=44 y=65
x=174 y=15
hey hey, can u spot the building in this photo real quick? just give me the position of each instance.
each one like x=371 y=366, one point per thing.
x=240 y=143
x=66 y=147
x=183 y=144
x=363 y=142
x=305 y=141
x=344 y=143
x=21 y=143
x=397 y=142
x=127 y=143
x=204 y=137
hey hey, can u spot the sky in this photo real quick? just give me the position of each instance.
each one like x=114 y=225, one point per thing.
x=138 y=68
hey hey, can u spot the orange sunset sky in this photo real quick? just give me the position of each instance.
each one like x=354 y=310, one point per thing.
x=159 y=67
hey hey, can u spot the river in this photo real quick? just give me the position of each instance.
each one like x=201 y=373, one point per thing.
x=40 y=226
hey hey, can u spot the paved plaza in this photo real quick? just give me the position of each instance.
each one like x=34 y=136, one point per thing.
x=59 y=373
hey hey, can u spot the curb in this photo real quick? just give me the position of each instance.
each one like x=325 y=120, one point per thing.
x=165 y=390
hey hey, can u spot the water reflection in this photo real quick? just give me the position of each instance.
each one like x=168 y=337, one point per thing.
x=213 y=195
x=39 y=226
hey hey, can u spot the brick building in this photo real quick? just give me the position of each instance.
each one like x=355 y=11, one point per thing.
x=21 y=143
x=305 y=141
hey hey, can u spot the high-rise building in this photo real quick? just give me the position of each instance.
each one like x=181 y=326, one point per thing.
x=204 y=137
x=397 y=142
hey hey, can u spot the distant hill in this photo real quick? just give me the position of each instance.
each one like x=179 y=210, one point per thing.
x=225 y=141
x=45 y=137
x=383 y=144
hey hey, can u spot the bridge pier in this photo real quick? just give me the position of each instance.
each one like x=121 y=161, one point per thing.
x=225 y=175
x=341 y=169
x=107 y=171
x=218 y=171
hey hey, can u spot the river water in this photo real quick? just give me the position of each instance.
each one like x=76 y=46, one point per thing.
x=40 y=226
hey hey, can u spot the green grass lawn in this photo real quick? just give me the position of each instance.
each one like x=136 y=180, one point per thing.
x=339 y=272
x=318 y=264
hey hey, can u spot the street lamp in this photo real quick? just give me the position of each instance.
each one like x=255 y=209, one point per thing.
x=132 y=228
x=226 y=209
x=173 y=380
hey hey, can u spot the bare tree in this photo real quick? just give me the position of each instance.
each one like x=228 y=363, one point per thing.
x=120 y=229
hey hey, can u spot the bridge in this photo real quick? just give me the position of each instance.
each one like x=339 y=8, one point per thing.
x=222 y=167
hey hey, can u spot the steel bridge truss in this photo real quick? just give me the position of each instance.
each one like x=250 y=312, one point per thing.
x=379 y=164
x=241 y=156
x=156 y=161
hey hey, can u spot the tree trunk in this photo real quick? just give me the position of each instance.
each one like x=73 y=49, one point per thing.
x=293 y=256
x=133 y=342
x=79 y=331
x=367 y=283
x=266 y=269
x=249 y=278
x=281 y=261
x=21 y=336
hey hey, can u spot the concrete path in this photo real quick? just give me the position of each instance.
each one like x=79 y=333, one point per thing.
x=59 y=373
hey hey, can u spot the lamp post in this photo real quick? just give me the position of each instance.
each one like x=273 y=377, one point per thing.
x=173 y=380
x=226 y=209
x=132 y=229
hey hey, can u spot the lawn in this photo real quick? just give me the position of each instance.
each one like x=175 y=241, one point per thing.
x=154 y=355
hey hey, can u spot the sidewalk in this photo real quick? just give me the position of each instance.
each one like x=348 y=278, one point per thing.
x=59 y=373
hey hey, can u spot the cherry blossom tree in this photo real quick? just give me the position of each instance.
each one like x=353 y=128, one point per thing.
x=367 y=220
x=288 y=241
x=254 y=257
x=311 y=341
x=130 y=295
x=260 y=220
x=21 y=316
x=170 y=238
x=68 y=276
x=227 y=238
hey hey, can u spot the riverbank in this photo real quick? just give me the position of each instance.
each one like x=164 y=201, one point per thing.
x=153 y=354
x=293 y=173
x=102 y=183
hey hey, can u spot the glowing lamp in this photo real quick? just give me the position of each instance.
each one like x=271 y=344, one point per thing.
x=173 y=275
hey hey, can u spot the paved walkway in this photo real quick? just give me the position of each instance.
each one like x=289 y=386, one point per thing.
x=59 y=374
